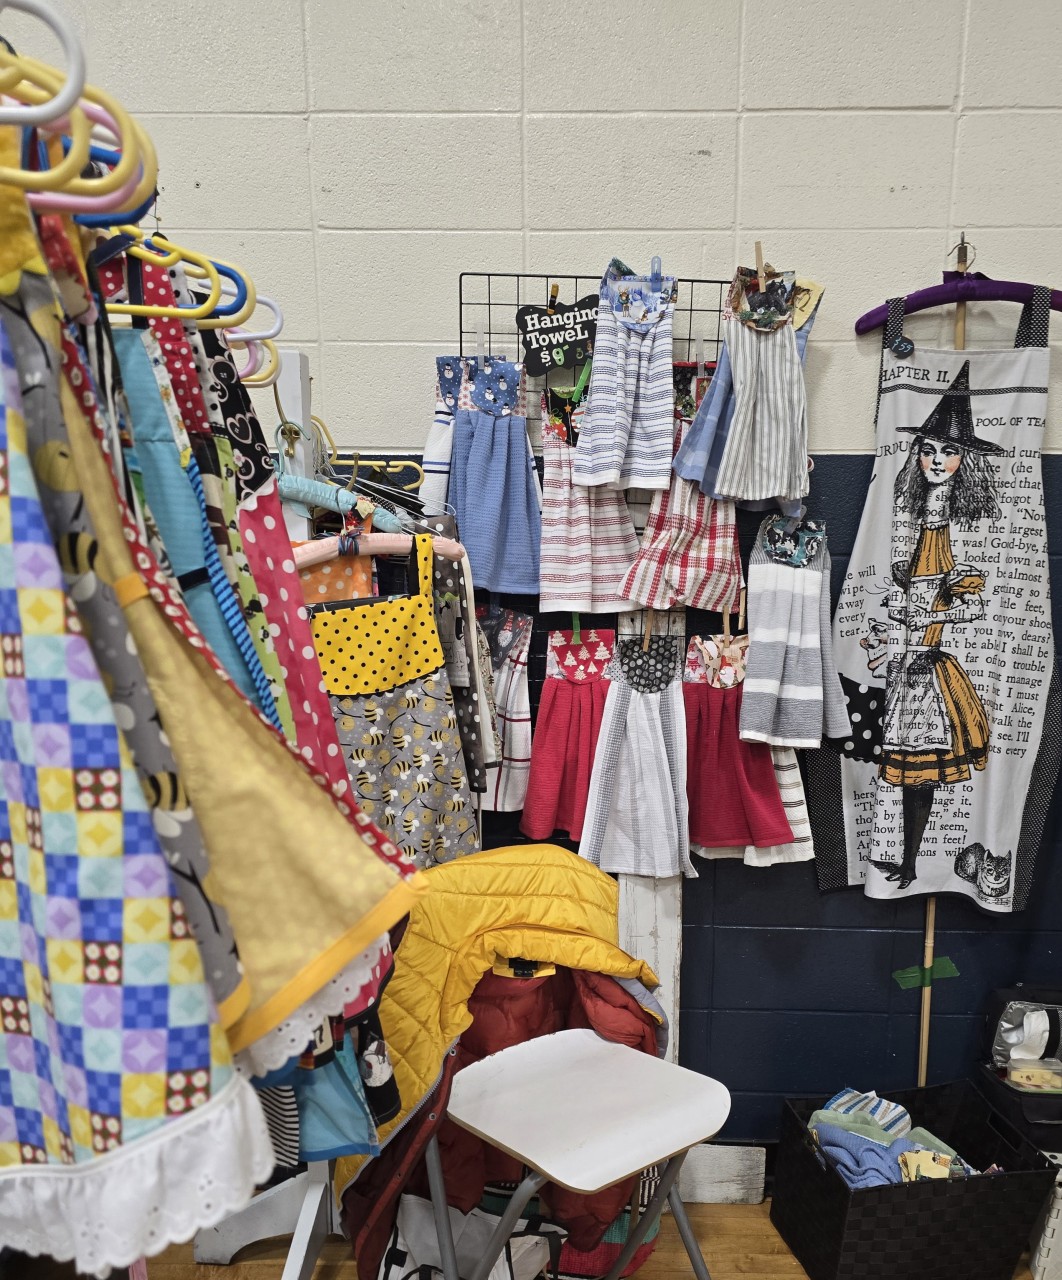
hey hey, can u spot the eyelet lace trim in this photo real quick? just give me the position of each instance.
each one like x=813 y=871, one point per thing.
x=137 y=1201
x=357 y=984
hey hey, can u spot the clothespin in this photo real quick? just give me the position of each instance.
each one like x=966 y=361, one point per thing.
x=554 y=289
x=480 y=349
x=741 y=610
x=761 y=279
x=656 y=274
x=649 y=615
x=700 y=358
x=577 y=633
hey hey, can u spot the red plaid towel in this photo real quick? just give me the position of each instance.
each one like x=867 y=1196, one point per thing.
x=689 y=553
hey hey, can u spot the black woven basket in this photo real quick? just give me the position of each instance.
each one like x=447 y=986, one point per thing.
x=974 y=1228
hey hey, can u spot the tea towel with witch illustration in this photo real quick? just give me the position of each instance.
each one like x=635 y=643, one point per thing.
x=943 y=630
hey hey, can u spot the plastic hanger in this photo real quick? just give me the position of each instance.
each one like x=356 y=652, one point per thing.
x=229 y=316
x=255 y=354
x=68 y=93
x=267 y=376
x=130 y=191
x=274 y=329
x=372 y=544
x=242 y=304
x=177 y=253
x=129 y=157
x=43 y=89
x=120 y=217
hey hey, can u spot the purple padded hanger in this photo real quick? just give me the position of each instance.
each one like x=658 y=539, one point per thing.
x=973 y=286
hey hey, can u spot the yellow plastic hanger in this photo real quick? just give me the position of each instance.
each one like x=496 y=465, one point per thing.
x=177 y=253
x=40 y=90
x=128 y=139
x=35 y=74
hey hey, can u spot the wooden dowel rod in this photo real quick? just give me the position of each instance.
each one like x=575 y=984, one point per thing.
x=928 y=948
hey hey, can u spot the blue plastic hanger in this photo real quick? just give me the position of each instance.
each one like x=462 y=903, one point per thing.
x=240 y=284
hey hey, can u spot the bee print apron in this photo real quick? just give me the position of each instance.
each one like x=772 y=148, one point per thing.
x=396 y=720
x=943 y=628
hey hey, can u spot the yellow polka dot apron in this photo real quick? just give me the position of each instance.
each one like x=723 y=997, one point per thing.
x=394 y=710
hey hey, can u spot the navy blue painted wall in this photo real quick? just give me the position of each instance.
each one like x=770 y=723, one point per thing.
x=789 y=991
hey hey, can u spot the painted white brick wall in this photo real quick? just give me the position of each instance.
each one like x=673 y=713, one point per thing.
x=355 y=157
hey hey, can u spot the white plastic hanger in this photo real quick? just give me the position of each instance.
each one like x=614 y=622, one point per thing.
x=70 y=92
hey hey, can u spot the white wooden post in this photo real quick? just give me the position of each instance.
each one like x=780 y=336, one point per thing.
x=650 y=926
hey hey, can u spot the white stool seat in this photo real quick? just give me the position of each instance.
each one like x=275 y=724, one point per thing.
x=585 y=1112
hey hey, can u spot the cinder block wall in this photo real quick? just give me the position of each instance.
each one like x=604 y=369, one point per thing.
x=356 y=155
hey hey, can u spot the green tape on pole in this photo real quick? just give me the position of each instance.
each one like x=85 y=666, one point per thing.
x=917 y=975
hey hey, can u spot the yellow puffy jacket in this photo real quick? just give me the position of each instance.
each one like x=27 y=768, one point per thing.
x=535 y=901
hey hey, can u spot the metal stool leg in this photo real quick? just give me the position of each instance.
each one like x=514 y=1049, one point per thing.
x=649 y=1217
x=500 y=1235
x=439 y=1207
x=693 y=1249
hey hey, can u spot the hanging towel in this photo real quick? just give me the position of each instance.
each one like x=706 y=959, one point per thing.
x=509 y=636
x=625 y=438
x=689 y=553
x=637 y=814
x=588 y=536
x=791 y=788
x=493 y=483
x=439 y=445
x=701 y=452
x=793 y=695
x=566 y=732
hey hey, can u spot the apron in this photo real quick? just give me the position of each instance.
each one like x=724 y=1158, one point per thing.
x=943 y=629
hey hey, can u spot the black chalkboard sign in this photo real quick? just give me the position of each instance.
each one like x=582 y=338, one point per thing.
x=557 y=339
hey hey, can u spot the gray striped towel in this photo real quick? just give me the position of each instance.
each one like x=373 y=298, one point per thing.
x=792 y=693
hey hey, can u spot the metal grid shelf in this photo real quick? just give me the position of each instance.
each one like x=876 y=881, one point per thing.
x=488 y=302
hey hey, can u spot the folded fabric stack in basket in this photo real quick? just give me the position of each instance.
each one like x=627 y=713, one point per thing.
x=871 y=1142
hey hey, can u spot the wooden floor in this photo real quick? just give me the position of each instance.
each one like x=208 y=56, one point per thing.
x=738 y=1241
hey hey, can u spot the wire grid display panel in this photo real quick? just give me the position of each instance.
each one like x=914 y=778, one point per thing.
x=489 y=300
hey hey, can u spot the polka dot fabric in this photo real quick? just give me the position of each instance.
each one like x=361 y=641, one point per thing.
x=373 y=648
x=864 y=705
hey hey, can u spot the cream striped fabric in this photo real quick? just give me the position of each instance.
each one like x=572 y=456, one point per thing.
x=767 y=447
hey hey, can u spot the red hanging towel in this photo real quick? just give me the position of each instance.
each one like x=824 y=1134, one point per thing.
x=569 y=719
x=731 y=784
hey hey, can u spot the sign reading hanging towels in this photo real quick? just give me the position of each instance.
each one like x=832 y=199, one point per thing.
x=943 y=630
x=557 y=337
